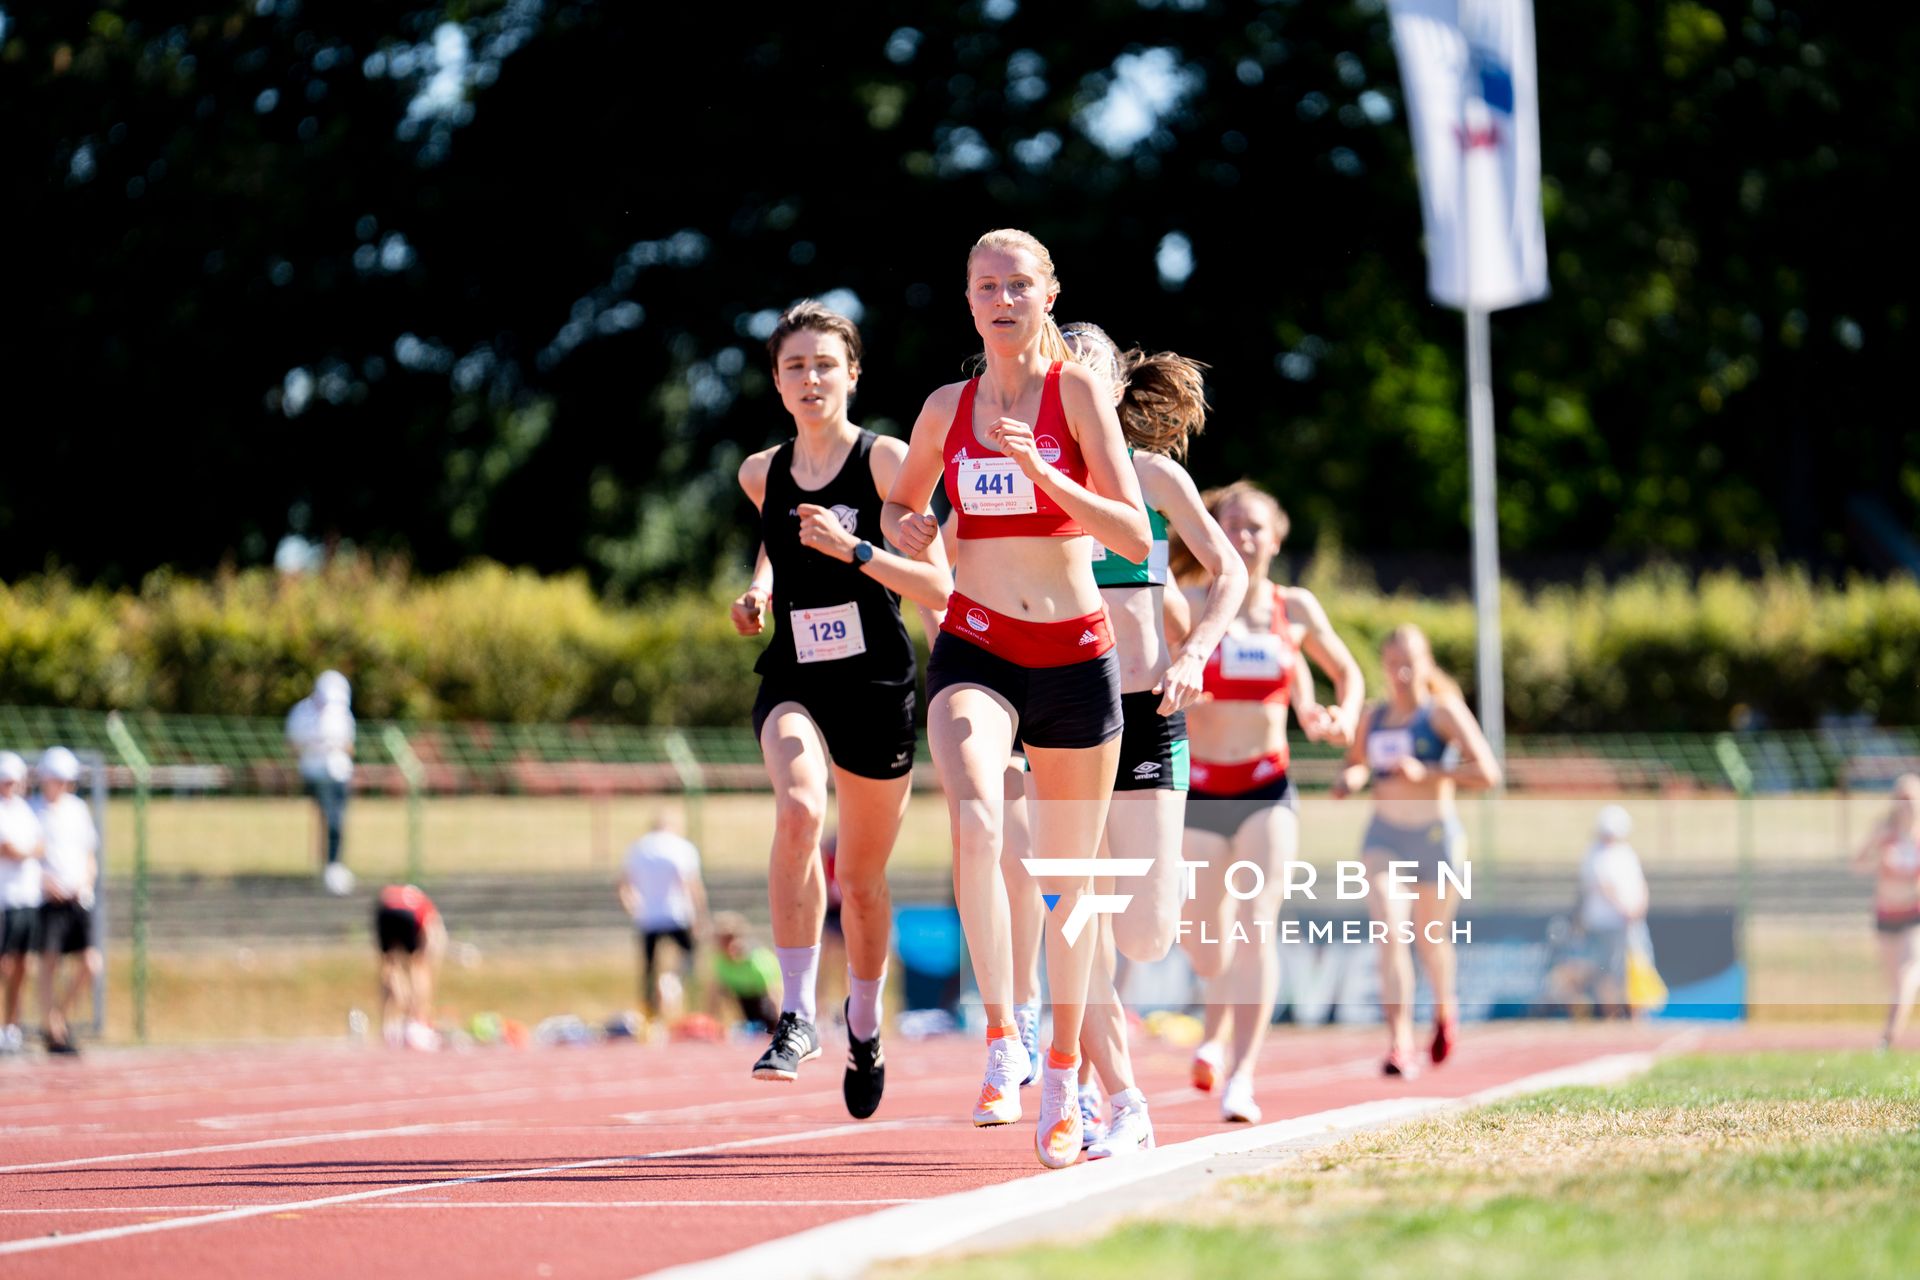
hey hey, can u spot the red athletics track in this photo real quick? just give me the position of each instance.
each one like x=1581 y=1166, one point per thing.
x=323 y=1160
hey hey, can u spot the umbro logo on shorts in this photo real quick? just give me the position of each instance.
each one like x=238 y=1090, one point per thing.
x=1087 y=637
x=1147 y=769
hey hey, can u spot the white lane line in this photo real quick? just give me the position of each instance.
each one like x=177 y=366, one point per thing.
x=38 y=1243
x=495 y=1205
x=258 y=1144
x=848 y=1248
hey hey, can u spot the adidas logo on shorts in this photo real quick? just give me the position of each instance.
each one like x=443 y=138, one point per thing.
x=1087 y=637
x=1147 y=769
x=1265 y=769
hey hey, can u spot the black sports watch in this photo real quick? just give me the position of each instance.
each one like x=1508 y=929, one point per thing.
x=862 y=552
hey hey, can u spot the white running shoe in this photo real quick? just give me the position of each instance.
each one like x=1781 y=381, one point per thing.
x=1092 y=1127
x=12 y=1040
x=1056 y=1137
x=1237 y=1104
x=1026 y=1021
x=1208 y=1060
x=1129 y=1129
x=338 y=879
x=1007 y=1065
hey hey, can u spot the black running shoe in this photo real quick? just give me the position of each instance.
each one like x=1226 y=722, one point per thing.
x=794 y=1042
x=866 y=1077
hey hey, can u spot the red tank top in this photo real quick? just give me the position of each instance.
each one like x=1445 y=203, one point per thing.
x=1253 y=668
x=992 y=495
x=407 y=898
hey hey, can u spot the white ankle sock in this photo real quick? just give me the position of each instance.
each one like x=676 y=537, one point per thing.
x=799 y=974
x=863 y=1004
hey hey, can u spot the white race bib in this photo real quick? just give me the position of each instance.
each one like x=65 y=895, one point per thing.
x=1388 y=747
x=822 y=635
x=1250 y=657
x=995 y=487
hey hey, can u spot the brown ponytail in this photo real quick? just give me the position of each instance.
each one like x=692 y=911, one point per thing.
x=1165 y=404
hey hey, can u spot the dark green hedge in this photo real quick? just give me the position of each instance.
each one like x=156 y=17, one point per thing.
x=1659 y=651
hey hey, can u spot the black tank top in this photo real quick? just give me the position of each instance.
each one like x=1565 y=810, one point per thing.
x=811 y=590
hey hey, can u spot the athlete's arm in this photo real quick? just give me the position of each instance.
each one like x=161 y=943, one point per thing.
x=1354 y=773
x=1168 y=489
x=1331 y=654
x=1869 y=856
x=1176 y=617
x=1111 y=509
x=924 y=579
x=748 y=612
x=1477 y=767
x=905 y=519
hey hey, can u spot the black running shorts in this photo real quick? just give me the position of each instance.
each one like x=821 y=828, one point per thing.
x=1065 y=708
x=868 y=727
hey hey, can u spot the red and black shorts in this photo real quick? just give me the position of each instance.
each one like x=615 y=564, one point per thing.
x=1062 y=679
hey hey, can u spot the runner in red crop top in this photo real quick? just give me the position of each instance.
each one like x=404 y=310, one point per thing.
x=1241 y=807
x=1026 y=644
x=1253 y=668
x=990 y=495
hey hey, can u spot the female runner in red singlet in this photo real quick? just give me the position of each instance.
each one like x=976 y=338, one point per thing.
x=1241 y=807
x=1031 y=454
x=1892 y=853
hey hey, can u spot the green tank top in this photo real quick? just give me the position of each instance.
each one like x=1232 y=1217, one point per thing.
x=1111 y=569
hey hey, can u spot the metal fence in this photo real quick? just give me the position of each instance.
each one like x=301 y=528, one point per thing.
x=193 y=803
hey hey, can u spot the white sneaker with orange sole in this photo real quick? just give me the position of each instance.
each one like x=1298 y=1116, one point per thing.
x=1056 y=1136
x=1208 y=1060
x=1007 y=1066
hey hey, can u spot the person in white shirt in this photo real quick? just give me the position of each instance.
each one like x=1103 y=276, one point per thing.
x=1613 y=903
x=662 y=891
x=69 y=869
x=320 y=731
x=20 y=849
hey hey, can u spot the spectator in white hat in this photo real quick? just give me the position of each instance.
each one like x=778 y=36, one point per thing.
x=20 y=849
x=68 y=872
x=320 y=731
x=1613 y=903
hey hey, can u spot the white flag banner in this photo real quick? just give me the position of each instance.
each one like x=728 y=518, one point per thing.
x=1473 y=108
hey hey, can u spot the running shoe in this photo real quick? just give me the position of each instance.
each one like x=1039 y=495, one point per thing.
x=1007 y=1065
x=1207 y=1061
x=338 y=879
x=1236 y=1102
x=1026 y=1019
x=866 y=1077
x=12 y=1040
x=1442 y=1040
x=794 y=1042
x=1056 y=1137
x=1397 y=1065
x=1092 y=1127
x=1129 y=1130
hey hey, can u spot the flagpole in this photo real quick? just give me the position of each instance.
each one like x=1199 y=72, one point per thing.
x=1486 y=535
